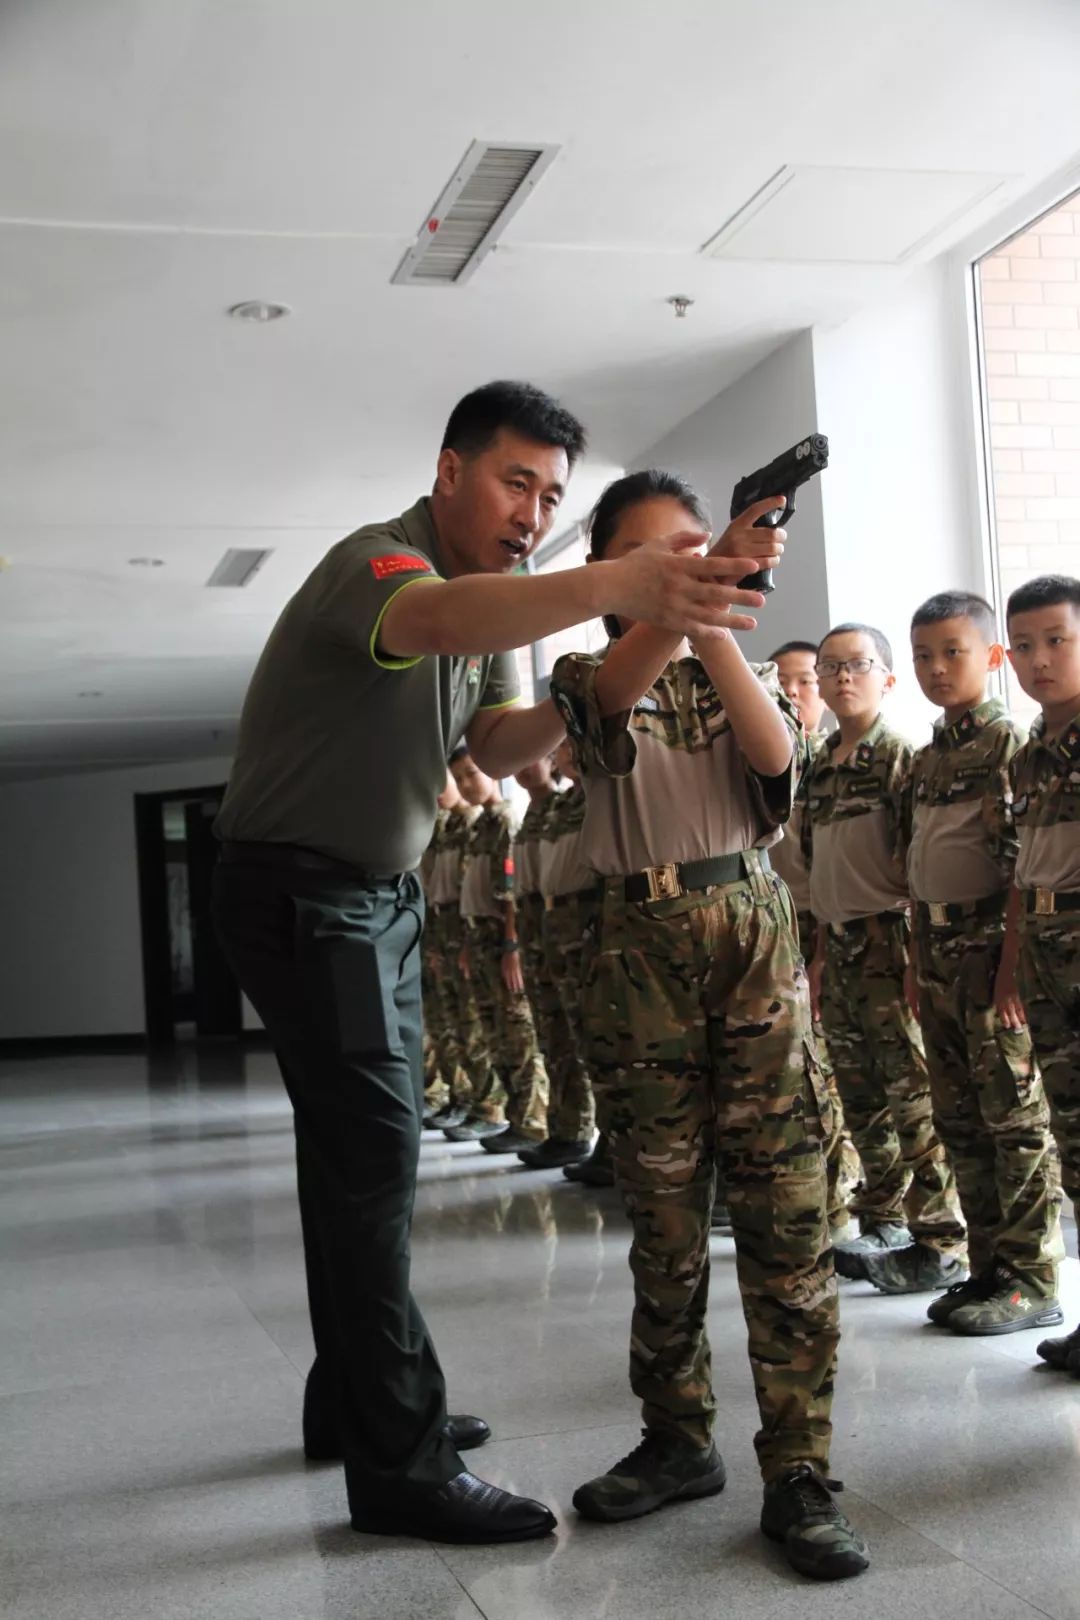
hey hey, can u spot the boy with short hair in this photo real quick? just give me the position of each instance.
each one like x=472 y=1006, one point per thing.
x=853 y=837
x=988 y=1102
x=487 y=907
x=1043 y=619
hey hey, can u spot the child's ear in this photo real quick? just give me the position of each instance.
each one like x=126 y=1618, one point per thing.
x=995 y=656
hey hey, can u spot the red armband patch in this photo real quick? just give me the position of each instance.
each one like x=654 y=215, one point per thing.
x=399 y=563
x=508 y=866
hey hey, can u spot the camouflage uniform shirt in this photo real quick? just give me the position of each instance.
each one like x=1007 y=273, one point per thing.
x=853 y=832
x=963 y=841
x=1046 y=809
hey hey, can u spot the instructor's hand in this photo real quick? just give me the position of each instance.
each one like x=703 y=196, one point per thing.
x=669 y=584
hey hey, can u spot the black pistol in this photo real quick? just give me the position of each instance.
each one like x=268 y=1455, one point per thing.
x=781 y=477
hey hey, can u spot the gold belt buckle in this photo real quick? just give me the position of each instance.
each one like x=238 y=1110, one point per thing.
x=549 y=902
x=1044 y=903
x=939 y=915
x=663 y=882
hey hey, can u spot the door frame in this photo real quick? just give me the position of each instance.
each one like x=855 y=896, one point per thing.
x=154 y=906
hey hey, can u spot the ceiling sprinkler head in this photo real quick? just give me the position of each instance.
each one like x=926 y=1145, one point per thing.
x=681 y=303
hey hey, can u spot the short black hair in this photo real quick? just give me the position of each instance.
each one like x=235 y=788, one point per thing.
x=957 y=605
x=1049 y=590
x=793 y=646
x=630 y=491
x=460 y=752
x=476 y=419
x=878 y=637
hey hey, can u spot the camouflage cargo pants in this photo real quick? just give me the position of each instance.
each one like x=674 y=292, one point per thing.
x=1049 y=983
x=571 y=1114
x=485 y=1097
x=450 y=1025
x=510 y=1031
x=989 y=1105
x=880 y=1067
x=697 y=1025
x=552 y=1030
x=436 y=1090
x=841 y=1155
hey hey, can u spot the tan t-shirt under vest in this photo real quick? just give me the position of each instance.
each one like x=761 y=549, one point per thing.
x=668 y=781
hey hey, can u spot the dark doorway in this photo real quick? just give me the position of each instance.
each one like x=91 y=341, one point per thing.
x=189 y=989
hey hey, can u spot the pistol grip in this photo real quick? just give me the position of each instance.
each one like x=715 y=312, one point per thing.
x=763 y=581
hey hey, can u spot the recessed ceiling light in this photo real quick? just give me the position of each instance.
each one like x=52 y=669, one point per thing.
x=146 y=562
x=256 y=309
x=91 y=694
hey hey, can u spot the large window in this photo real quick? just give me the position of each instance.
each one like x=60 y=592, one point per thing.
x=1028 y=299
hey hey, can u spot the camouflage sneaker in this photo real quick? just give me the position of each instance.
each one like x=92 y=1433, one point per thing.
x=1008 y=1306
x=917 y=1269
x=473 y=1129
x=1062 y=1354
x=961 y=1293
x=663 y=1468
x=449 y=1114
x=876 y=1237
x=799 y=1512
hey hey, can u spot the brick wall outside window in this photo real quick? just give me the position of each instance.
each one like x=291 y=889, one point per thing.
x=1030 y=318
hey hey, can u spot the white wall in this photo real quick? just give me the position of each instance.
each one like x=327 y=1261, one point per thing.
x=897 y=499
x=764 y=413
x=70 y=951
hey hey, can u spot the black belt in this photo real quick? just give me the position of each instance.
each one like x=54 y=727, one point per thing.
x=1047 y=902
x=681 y=877
x=950 y=913
x=294 y=858
x=876 y=925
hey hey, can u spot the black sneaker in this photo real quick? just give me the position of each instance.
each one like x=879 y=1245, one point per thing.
x=509 y=1140
x=799 y=1511
x=663 y=1468
x=917 y=1269
x=1062 y=1354
x=876 y=1237
x=596 y=1170
x=553 y=1154
x=958 y=1295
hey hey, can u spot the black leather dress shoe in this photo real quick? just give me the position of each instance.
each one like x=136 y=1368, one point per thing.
x=465 y=1509
x=464 y=1433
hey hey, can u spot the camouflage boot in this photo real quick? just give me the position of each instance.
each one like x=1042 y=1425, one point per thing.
x=1062 y=1354
x=1008 y=1305
x=663 y=1468
x=918 y=1269
x=876 y=1237
x=799 y=1512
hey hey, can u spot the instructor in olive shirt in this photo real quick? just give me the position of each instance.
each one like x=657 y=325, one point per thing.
x=399 y=643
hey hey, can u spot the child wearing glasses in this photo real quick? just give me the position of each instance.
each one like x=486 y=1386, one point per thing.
x=853 y=829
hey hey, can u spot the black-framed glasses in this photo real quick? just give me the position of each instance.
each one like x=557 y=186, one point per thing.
x=855 y=666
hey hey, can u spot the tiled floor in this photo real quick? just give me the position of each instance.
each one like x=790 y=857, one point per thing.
x=153 y=1336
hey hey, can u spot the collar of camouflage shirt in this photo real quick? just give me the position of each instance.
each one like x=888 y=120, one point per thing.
x=958 y=732
x=1064 y=749
x=862 y=755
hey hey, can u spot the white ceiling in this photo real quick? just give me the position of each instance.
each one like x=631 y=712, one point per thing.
x=161 y=160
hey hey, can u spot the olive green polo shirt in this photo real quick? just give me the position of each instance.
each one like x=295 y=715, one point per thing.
x=343 y=751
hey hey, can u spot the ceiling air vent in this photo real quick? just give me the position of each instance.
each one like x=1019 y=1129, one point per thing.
x=489 y=186
x=238 y=567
